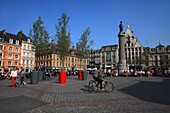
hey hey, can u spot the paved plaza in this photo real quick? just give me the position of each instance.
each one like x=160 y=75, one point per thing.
x=131 y=95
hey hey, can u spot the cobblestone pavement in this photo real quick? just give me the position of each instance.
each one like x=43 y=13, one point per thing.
x=131 y=95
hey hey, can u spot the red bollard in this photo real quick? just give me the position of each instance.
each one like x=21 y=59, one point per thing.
x=13 y=82
x=62 y=77
x=80 y=75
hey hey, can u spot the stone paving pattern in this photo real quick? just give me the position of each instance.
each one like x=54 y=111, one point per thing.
x=131 y=95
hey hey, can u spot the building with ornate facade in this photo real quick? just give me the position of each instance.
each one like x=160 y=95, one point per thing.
x=50 y=59
x=158 y=57
x=135 y=54
x=12 y=50
x=27 y=52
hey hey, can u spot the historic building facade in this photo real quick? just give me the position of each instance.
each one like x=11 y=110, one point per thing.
x=133 y=49
x=135 y=54
x=109 y=56
x=158 y=57
x=12 y=50
x=50 y=59
x=27 y=52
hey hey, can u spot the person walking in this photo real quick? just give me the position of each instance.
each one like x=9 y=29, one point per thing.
x=22 y=73
x=14 y=74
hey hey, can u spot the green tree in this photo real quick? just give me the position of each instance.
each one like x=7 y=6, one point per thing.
x=40 y=36
x=63 y=37
x=84 y=44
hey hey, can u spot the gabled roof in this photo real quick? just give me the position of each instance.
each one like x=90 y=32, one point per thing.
x=160 y=45
x=23 y=37
x=4 y=34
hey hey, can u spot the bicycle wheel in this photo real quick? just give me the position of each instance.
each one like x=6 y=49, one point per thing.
x=92 y=85
x=109 y=87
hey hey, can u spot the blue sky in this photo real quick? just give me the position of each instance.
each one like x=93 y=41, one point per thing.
x=148 y=19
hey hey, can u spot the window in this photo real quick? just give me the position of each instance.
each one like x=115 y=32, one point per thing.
x=9 y=63
x=28 y=54
x=1 y=47
x=11 y=41
x=28 y=47
x=0 y=55
x=16 y=56
x=28 y=40
x=1 y=39
x=10 y=48
x=24 y=54
x=24 y=46
x=15 y=63
x=23 y=62
x=17 y=42
x=31 y=61
x=16 y=49
x=27 y=61
x=10 y=56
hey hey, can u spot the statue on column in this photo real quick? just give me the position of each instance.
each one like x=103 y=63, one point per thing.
x=120 y=27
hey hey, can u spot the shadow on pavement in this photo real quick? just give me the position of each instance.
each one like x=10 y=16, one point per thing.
x=157 y=92
x=19 y=104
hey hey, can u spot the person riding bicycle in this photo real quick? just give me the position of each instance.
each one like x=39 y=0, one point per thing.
x=97 y=78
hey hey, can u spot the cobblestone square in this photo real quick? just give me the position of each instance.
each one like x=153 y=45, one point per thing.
x=131 y=95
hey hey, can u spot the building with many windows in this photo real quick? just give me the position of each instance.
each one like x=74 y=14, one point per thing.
x=27 y=52
x=10 y=52
x=14 y=49
x=50 y=59
x=136 y=55
x=158 y=57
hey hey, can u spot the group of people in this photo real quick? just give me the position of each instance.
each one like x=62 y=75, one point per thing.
x=18 y=77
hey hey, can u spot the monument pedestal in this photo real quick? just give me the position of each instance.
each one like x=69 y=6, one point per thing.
x=121 y=69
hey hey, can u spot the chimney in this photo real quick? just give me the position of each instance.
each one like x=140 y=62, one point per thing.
x=20 y=33
x=4 y=32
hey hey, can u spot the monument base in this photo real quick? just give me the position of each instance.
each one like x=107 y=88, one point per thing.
x=121 y=69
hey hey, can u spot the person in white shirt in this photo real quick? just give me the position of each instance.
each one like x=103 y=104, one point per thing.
x=14 y=74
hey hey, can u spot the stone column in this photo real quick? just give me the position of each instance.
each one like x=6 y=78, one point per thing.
x=122 y=61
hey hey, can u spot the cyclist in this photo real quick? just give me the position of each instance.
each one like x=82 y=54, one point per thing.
x=97 y=78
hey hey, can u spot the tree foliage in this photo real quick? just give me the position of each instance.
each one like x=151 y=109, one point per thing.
x=39 y=35
x=63 y=37
x=84 y=44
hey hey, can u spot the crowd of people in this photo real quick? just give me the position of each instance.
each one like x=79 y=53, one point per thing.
x=17 y=76
x=134 y=72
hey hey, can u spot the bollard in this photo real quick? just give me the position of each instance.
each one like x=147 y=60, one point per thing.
x=80 y=75
x=62 y=77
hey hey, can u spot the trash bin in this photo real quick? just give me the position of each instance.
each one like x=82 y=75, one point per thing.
x=40 y=76
x=44 y=75
x=80 y=75
x=84 y=75
x=62 y=77
x=34 y=78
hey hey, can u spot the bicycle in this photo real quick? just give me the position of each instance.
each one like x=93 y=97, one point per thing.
x=94 y=86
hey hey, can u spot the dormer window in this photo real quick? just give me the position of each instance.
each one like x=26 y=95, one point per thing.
x=11 y=41
x=28 y=40
x=17 y=42
x=1 y=39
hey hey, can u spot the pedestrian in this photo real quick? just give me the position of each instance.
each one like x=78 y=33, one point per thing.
x=22 y=73
x=14 y=76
